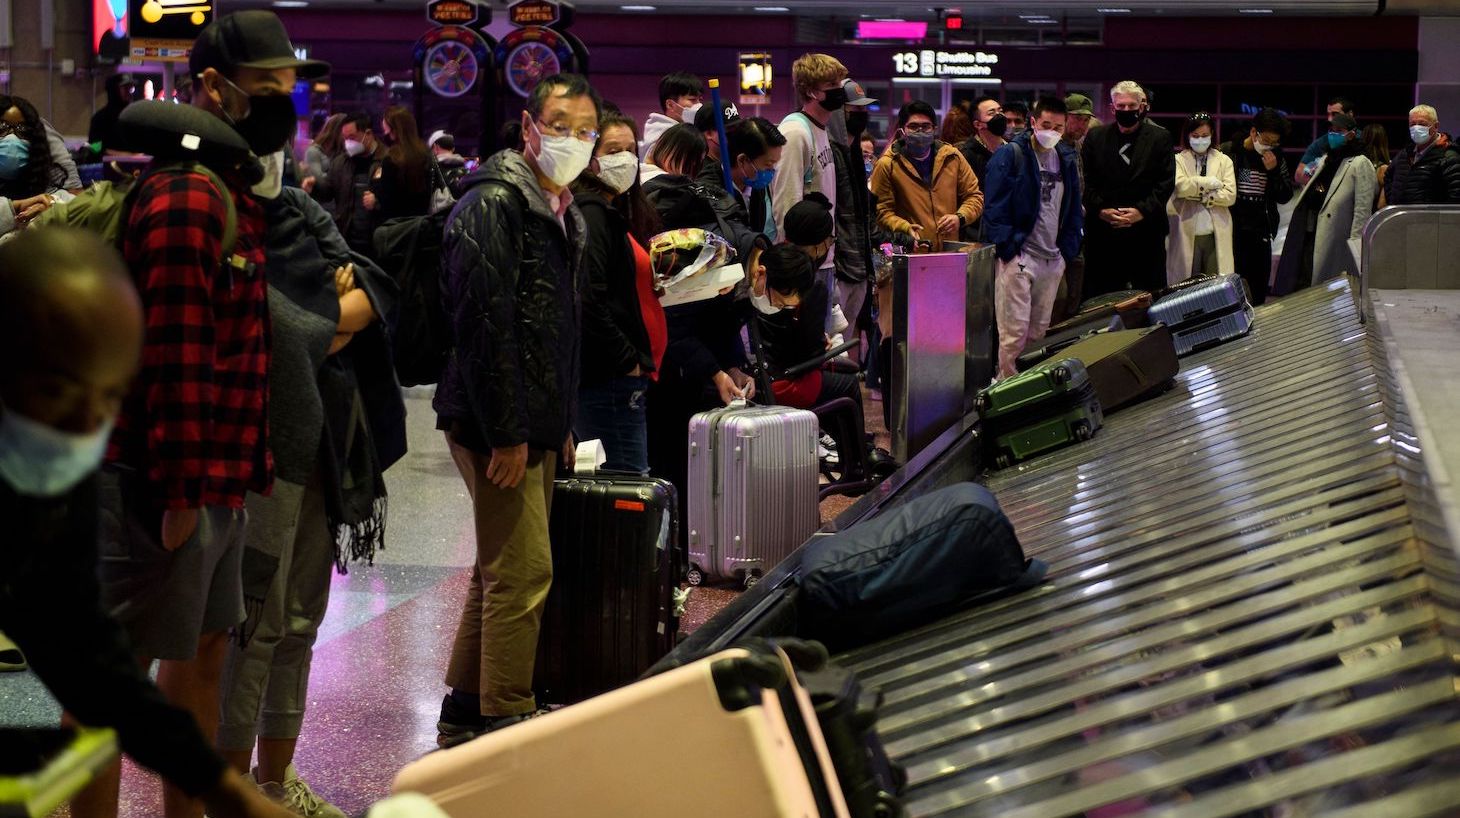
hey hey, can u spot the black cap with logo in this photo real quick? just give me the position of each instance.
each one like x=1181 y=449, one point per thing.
x=249 y=39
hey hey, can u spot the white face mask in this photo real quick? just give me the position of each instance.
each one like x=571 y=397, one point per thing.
x=1201 y=144
x=618 y=170
x=39 y=461
x=763 y=303
x=562 y=158
x=1048 y=139
x=273 y=181
x=354 y=147
x=1260 y=148
x=687 y=116
x=1420 y=134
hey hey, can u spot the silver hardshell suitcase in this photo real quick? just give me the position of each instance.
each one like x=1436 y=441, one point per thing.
x=753 y=481
x=1205 y=313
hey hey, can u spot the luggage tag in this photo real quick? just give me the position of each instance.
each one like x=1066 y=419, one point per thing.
x=588 y=457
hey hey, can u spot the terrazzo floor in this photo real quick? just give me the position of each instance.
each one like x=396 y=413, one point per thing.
x=376 y=689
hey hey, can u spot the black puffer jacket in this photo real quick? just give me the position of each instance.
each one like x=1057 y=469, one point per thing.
x=510 y=283
x=1433 y=179
x=614 y=338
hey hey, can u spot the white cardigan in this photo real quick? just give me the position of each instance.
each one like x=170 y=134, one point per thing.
x=1214 y=194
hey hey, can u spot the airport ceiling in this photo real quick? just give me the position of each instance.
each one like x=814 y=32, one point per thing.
x=972 y=10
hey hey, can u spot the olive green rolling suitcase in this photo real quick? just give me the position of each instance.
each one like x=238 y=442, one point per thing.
x=1048 y=407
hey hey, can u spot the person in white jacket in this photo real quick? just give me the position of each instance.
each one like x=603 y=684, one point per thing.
x=680 y=96
x=1201 y=219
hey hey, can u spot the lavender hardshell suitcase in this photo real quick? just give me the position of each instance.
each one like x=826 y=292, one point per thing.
x=1205 y=314
x=753 y=481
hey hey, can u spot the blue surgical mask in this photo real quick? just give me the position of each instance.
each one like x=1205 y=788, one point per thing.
x=14 y=153
x=1420 y=134
x=1337 y=140
x=762 y=179
x=868 y=164
x=39 y=461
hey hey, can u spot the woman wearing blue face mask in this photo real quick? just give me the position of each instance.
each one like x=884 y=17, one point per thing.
x=30 y=181
x=755 y=150
x=1331 y=212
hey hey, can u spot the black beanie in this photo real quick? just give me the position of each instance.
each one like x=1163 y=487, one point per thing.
x=809 y=222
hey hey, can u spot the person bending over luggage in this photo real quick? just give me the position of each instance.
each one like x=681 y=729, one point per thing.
x=705 y=364
x=624 y=330
x=512 y=272
x=787 y=299
x=1034 y=220
x=73 y=324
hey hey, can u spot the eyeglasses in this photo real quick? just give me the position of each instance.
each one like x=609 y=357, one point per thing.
x=918 y=127
x=561 y=129
x=21 y=130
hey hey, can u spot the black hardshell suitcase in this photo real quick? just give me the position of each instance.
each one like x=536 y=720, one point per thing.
x=617 y=564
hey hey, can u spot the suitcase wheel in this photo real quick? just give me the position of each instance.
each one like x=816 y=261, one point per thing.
x=1082 y=431
x=751 y=578
x=981 y=403
x=695 y=577
x=1060 y=374
x=1002 y=461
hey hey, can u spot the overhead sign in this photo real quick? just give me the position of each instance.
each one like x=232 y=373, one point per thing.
x=755 y=79
x=944 y=64
x=533 y=13
x=451 y=12
x=165 y=29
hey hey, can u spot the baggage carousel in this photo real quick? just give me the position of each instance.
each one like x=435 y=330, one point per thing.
x=1252 y=607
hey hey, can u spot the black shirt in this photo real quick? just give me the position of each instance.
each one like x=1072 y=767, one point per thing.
x=50 y=606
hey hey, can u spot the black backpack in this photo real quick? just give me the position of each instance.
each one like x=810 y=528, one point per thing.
x=409 y=249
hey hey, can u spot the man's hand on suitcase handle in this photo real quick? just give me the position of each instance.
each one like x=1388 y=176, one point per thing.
x=508 y=466
x=729 y=392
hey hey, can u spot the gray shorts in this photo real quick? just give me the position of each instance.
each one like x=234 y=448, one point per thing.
x=167 y=600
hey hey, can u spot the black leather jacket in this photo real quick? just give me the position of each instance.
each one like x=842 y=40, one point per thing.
x=511 y=284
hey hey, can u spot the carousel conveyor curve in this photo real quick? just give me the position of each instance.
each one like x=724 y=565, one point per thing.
x=1241 y=618
x=1252 y=607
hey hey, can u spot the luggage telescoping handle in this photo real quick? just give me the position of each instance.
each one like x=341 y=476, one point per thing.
x=818 y=362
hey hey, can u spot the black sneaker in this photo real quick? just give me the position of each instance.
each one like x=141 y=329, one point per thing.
x=459 y=723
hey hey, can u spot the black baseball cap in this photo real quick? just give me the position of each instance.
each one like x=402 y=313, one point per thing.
x=249 y=39
x=705 y=117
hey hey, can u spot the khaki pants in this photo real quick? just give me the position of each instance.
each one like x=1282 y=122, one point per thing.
x=1024 y=293
x=496 y=639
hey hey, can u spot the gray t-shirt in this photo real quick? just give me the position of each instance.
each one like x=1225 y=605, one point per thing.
x=1044 y=240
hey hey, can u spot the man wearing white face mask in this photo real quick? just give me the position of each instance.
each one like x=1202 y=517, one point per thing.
x=680 y=96
x=1033 y=216
x=1201 y=218
x=67 y=305
x=512 y=274
x=1427 y=172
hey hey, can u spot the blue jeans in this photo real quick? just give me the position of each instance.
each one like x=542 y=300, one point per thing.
x=614 y=413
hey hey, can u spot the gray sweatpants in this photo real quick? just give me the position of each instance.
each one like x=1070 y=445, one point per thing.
x=265 y=684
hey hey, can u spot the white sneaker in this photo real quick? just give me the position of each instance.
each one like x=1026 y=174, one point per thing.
x=297 y=797
x=838 y=320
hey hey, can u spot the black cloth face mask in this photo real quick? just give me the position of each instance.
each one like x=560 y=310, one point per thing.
x=1129 y=119
x=857 y=122
x=835 y=99
x=998 y=125
x=269 y=124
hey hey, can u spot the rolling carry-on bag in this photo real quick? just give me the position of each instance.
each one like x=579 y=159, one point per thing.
x=754 y=476
x=733 y=735
x=1048 y=407
x=1054 y=343
x=1205 y=313
x=1129 y=365
x=1131 y=305
x=617 y=562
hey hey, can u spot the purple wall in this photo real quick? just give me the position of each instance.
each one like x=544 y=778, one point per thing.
x=630 y=52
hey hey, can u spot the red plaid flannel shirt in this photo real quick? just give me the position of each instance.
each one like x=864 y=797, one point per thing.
x=195 y=423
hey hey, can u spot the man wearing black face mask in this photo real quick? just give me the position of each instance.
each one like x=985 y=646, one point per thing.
x=855 y=218
x=191 y=438
x=806 y=164
x=1130 y=174
x=989 y=128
